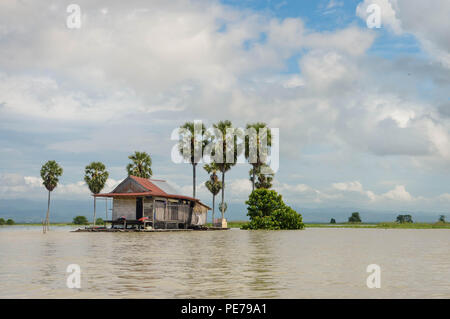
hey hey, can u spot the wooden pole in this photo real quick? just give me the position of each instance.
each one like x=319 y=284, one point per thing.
x=95 y=206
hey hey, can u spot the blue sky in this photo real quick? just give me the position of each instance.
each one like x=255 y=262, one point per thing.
x=364 y=114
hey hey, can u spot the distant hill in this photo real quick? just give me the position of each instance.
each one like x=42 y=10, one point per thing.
x=30 y=211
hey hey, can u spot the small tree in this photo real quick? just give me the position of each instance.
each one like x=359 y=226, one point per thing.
x=99 y=221
x=50 y=173
x=80 y=220
x=355 y=218
x=96 y=177
x=259 y=158
x=140 y=165
x=213 y=185
x=333 y=221
x=402 y=219
x=2 y=221
x=263 y=180
x=442 y=219
x=10 y=222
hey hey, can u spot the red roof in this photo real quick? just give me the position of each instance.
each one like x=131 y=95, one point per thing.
x=151 y=190
x=147 y=184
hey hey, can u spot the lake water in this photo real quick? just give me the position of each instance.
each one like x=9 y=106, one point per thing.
x=314 y=263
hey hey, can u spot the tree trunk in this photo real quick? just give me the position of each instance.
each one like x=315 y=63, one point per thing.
x=193 y=179
x=253 y=179
x=223 y=193
x=214 y=206
x=46 y=227
x=95 y=206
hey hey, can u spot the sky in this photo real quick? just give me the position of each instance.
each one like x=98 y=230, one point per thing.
x=363 y=113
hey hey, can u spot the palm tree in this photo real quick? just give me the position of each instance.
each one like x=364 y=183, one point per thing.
x=140 y=166
x=264 y=180
x=213 y=184
x=223 y=166
x=50 y=173
x=195 y=147
x=260 y=159
x=96 y=177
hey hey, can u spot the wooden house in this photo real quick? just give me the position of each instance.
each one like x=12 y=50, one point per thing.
x=141 y=202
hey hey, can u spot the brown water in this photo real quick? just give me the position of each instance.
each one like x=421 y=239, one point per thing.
x=314 y=263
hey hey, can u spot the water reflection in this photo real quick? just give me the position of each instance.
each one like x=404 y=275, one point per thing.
x=315 y=263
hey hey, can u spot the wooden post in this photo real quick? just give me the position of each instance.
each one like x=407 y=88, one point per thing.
x=166 y=212
x=154 y=213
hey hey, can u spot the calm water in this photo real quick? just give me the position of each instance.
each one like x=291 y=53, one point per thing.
x=314 y=263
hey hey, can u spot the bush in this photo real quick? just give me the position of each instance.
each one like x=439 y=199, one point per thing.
x=267 y=210
x=10 y=222
x=99 y=221
x=354 y=218
x=403 y=219
x=333 y=221
x=80 y=220
x=2 y=221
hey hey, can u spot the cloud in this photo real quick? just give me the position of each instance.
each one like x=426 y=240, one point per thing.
x=137 y=70
x=388 y=13
x=427 y=21
x=398 y=193
x=18 y=186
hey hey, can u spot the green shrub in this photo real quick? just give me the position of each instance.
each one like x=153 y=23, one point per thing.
x=10 y=222
x=2 y=221
x=333 y=221
x=99 y=221
x=267 y=210
x=263 y=202
x=80 y=220
x=403 y=219
x=355 y=218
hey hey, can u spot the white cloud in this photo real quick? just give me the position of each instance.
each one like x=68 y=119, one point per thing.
x=427 y=20
x=18 y=186
x=128 y=77
x=388 y=13
x=398 y=193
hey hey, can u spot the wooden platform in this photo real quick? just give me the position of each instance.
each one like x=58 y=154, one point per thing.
x=117 y=230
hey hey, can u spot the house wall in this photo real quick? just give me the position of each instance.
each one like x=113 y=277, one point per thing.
x=124 y=207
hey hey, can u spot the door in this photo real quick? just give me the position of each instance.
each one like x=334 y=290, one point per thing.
x=139 y=207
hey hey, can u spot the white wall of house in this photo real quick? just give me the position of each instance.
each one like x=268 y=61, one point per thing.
x=124 y=207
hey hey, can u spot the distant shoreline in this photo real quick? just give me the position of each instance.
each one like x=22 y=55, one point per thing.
x=239 y=224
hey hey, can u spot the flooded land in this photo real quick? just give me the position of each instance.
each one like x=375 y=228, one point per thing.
x=312 y=263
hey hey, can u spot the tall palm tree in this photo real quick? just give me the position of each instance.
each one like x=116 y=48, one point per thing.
x=140 y=166
x=188 y=136
x=223 y=166
x=213 y=184
x=259 y=160
x=50 y=173
x=96 y=177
